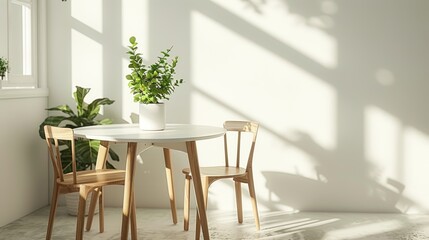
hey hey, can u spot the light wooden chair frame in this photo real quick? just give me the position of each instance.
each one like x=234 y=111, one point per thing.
x=238 y=174
x=84 y=182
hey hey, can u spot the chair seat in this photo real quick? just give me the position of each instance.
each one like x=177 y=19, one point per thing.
x=99 y=177
x=224 y=172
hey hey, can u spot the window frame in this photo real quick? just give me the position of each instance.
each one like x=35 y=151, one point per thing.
x=20 y=81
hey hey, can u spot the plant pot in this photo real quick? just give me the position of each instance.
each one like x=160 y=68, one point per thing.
x=72 y=204
x=152 y=116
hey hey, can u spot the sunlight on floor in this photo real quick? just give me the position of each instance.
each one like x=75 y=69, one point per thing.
x=156 y=224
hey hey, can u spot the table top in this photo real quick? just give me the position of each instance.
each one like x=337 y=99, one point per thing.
x=132 y=133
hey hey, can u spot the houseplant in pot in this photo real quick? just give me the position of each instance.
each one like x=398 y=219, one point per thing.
x=4 y=67
x=86 y=150
x=150 y=85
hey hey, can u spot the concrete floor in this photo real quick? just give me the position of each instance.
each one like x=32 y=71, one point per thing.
x=156 y=224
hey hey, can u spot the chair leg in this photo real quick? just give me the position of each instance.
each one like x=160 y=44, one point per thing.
x=206 y=184
x=186 y=202
x=254 y=203
x=94 y=197
x=101 y=210
x=54 y=202
x=81 y=212
x=239 y=201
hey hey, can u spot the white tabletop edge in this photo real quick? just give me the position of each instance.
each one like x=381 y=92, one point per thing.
x=132 y=133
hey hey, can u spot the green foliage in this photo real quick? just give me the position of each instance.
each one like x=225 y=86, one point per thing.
x=4 y=66
x=150 y=84
x=86 y=150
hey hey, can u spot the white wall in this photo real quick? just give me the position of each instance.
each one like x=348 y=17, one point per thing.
x=23 y=156
x=339 y=88
x=23 y=159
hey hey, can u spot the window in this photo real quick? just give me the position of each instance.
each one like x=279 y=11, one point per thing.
x=19 y=43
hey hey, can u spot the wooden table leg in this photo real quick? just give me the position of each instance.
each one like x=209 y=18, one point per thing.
x=133 y=217
x=191 y=148
x=128 y=189
x=170 y=183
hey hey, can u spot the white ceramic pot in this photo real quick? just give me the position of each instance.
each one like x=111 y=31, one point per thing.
x=152 y=116
x=72 y=203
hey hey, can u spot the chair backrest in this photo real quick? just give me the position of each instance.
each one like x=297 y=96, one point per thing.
x=54 y=137
x=241 y=127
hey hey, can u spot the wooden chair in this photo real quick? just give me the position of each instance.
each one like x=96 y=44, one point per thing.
x=237 y=174
x=84 y=182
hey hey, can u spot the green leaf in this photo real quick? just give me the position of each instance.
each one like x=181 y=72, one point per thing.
x=79 y=97
x=152 y=83
x=63 y=108
x=105 y=121
x=94 y=107
x=52 y=121
x=86 y=151
x=113 y=155
x=109 y=165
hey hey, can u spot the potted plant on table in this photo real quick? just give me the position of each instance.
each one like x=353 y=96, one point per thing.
x=4 y=67
x=86 y=150
x=150 y=85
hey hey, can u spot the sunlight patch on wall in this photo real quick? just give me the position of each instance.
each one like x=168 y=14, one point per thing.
x=87 y=64
x=135 y=22
x=385 y=77
x=259 y=85
x=129 y=109
x=382 y=133
x=383 y=152
x=235 y=78
x=415 y=168
x=313 y=113
x=89 y=13
x=398 y=158
x=274 y=19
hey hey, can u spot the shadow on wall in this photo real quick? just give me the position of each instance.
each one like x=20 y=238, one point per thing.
x=378 y=67
x=337 y=187
x=372 y=73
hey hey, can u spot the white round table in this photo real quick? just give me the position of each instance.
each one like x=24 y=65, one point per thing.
x=179 y=137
